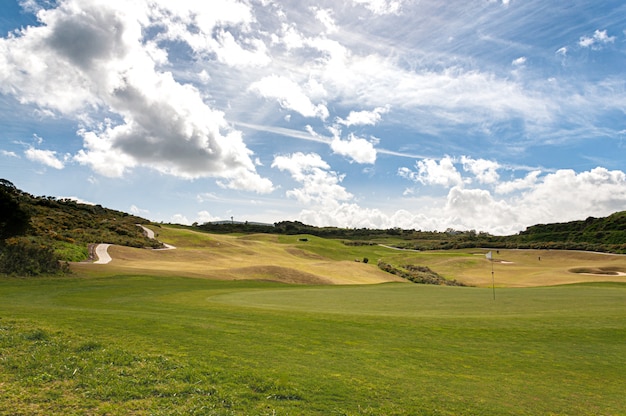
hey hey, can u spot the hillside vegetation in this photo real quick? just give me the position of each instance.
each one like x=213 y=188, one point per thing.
x=39 y=231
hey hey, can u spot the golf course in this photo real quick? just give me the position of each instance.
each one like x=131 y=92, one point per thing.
x=266 y=324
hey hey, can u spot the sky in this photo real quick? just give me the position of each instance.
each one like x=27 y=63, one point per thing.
x=419 y=114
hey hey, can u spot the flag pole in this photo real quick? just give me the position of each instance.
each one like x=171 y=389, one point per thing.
x=489 y=256
x=493 y=281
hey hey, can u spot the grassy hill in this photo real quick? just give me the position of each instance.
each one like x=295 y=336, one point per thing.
x=63 y=229
x=307 y=259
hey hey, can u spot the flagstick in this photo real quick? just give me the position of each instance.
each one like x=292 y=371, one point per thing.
x=493 y=281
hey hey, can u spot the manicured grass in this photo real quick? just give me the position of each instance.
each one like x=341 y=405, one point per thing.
x=133 y=344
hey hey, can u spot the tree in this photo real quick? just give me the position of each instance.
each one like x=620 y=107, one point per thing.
x=14 y=220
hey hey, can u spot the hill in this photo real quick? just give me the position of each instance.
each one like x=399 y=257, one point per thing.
x=59 y=229
x=36 y=232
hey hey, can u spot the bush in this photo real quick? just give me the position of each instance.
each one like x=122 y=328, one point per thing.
x=25 y=257
x=418 y=274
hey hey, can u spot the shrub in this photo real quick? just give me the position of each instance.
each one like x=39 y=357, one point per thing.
x=25 y=257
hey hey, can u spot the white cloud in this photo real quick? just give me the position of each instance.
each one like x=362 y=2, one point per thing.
x=205 y=216
x=179 y=219
x=431 y=172
x=134 y=209
x=486 y=171
x=564 y=195
x=519 y=61
x=9 y=154
x=221 y=28
x=326 y=18
x=45 y=157
x=232 y=53
x=89 y=57
x=364 y=118
x=450 y=96
x=289 y=95
x=319 y=185
x=356 y=148
x=599 y=37
x=520 y=184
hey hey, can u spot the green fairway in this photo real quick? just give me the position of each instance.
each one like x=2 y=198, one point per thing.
x=167 y=345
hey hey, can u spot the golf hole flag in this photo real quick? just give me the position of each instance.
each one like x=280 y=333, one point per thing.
x=488 y=255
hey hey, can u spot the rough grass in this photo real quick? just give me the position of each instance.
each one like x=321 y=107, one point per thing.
x=166 y=345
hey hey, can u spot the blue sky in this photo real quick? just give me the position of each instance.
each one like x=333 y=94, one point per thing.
x=486 y=115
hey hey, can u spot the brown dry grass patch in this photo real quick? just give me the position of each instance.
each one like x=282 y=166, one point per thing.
x=228 y=257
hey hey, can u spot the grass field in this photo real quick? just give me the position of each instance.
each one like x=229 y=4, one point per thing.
x=287 y=259
x=132 y=337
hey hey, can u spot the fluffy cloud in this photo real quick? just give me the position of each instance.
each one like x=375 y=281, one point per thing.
x=319 y=185
x=364 y=118
x=356 y=148
x=520 y=184
x=485 y=171
x=89 y=57
x=563 y=194
x=431 y=172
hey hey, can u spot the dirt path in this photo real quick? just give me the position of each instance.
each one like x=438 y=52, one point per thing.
x=103 y=254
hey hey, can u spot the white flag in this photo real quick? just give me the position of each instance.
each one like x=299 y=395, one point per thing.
x=488 y=255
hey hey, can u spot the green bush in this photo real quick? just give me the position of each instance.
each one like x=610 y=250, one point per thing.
x=23 y=256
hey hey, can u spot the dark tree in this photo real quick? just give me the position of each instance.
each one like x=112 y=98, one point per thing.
x=13 y=219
